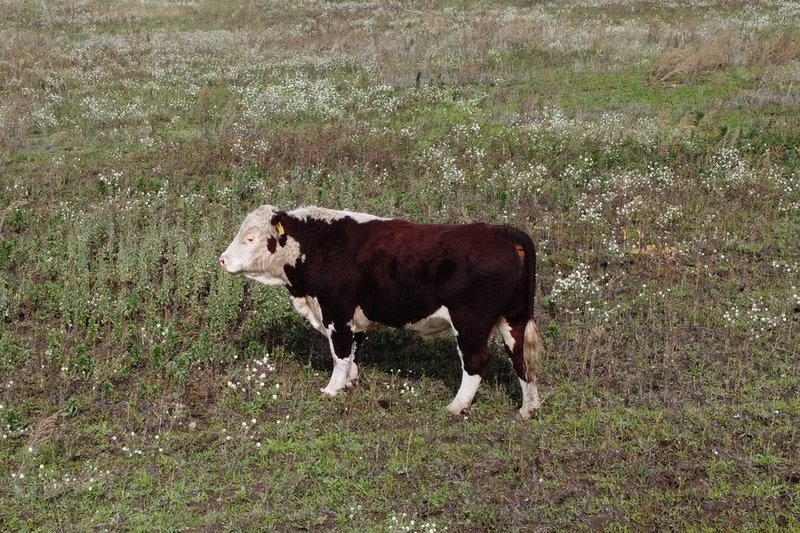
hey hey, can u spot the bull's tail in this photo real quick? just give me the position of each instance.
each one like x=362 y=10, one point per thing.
x=531 y=349
x=532 y=344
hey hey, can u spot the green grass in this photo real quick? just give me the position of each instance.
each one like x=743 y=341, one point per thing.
x=650 y=151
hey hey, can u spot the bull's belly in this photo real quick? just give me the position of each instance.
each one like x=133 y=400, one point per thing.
x=429 y=327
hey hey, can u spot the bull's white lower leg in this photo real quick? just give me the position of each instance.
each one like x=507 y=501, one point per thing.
x=344 y=369
x=530 y=398
x=340 y=375
x=466 y=392
x=352 y=374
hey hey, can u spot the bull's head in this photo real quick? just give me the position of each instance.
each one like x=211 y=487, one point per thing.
x=261 y=249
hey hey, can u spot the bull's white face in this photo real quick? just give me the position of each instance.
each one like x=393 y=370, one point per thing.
x=249 y=252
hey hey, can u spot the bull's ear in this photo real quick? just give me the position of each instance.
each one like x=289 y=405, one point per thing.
x=277 y=222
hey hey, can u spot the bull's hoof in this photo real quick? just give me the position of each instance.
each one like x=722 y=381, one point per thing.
x=526 y=411
x=329 y=392
x=456 y=409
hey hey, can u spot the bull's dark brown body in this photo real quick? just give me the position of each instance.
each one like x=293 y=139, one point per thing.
x=399 y=273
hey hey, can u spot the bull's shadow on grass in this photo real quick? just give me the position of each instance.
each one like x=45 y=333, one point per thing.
x=391 y=350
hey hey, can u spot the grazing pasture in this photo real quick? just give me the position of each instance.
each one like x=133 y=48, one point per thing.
x=651 y=149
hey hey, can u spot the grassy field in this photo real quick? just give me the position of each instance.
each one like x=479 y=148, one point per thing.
x=651 y=149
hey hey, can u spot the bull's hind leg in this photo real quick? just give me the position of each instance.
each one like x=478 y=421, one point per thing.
x=343 y=349
x=474 y=353
x=519 y=338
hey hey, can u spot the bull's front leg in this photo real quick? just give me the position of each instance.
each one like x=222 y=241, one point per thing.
x=352 y=374
x=343 y=350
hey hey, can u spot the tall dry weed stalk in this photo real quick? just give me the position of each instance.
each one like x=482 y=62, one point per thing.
x=43 y=432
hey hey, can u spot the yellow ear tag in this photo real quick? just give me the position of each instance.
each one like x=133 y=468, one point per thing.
x=281 y=231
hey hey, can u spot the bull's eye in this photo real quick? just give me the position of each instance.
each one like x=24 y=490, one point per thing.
x=249 y=239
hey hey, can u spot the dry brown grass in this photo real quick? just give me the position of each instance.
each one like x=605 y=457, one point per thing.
x=686 y=64
x=783 y=50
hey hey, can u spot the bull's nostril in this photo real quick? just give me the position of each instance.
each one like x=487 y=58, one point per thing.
x=221 y=261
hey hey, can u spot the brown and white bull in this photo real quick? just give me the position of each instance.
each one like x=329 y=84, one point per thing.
x=349 y=272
